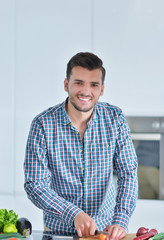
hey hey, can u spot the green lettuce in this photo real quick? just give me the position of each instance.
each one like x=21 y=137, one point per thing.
x=7 y=217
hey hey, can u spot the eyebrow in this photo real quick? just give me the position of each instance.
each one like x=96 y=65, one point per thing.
x=78 y=80
x=96 y=83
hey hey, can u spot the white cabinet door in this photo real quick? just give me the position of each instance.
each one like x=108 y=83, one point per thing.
x=7 y=202
x=129 y=35
x=48 y=34
x=6 y=97
x=25 y=208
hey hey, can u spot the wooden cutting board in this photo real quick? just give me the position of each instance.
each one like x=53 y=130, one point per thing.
x=128 y=236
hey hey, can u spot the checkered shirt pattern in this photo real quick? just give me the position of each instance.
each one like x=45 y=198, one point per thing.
x=64 y=175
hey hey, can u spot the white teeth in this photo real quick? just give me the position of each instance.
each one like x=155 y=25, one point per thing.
x=84 y=99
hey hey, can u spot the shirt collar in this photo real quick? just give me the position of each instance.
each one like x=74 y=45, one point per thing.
x=66 y=120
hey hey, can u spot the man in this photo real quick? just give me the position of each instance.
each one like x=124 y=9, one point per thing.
x=72 y=150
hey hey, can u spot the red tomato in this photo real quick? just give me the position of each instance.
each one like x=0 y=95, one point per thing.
x=12 y=238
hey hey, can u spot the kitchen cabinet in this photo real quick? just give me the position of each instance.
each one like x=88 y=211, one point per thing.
x=37 y=40
x=7 y=97
x=129 y=37
x=47 y=36
x=7 y=201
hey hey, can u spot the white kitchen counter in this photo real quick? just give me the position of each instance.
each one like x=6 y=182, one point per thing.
x=148 y=213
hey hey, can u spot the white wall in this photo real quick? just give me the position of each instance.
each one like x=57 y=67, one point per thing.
x=129 y=35
x=37 y=39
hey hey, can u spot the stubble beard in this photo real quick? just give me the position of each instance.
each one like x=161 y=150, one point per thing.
x=78 y=108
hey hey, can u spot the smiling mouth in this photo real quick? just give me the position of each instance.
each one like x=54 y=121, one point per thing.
x=84 y=99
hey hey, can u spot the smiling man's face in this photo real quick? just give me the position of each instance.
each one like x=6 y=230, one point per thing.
x=84 y=88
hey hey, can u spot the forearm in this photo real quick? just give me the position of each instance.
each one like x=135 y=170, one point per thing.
x=126 y=200
x=48 y=200
x=125 y=164
x=38 y=178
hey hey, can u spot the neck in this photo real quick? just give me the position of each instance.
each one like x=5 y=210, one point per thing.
x=78 y=118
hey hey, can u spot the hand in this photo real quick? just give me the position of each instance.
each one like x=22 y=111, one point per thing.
x=84 y=224
x=116 y=232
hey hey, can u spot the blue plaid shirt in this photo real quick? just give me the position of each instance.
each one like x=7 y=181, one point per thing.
x=64 y=175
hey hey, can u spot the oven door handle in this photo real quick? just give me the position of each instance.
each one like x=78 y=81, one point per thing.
x=146 y=136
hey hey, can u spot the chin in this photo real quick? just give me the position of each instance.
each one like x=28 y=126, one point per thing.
x=82 y=109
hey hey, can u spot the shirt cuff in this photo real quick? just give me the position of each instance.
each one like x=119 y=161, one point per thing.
x=70 y=213
x=121 y=219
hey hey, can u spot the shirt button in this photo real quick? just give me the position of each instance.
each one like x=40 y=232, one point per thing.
x=86 y=201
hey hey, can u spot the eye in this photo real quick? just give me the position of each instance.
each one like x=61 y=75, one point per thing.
x=95 y=85
x=77 y=82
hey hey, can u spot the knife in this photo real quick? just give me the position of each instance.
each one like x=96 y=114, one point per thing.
x=49 y=235
x=98 y=232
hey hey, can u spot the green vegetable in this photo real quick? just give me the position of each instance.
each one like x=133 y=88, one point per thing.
x=10 y=228
x=10 y=235
x=7 y=217
x=159 y=236
x=3 y=214
x=12 y=217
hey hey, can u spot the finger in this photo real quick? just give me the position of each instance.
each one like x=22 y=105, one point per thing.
x=79 y=232
x=86 y=229
x=109 y=230
x=86 y=232
x=105 y=230
x=93 y=229
x=114 y=232
x=118 y=233
x=121 y=233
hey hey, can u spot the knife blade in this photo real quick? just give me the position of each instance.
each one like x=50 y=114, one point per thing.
x=98 y=232
x=49 y=235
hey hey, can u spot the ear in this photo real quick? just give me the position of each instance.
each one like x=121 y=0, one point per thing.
x=66 y=84
x=102 y=90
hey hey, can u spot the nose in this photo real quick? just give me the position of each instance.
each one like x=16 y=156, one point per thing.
x=86 y=90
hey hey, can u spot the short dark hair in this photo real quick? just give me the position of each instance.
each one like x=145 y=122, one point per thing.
x=86 y=60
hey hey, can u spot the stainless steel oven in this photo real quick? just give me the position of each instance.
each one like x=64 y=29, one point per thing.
x=148 y=138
